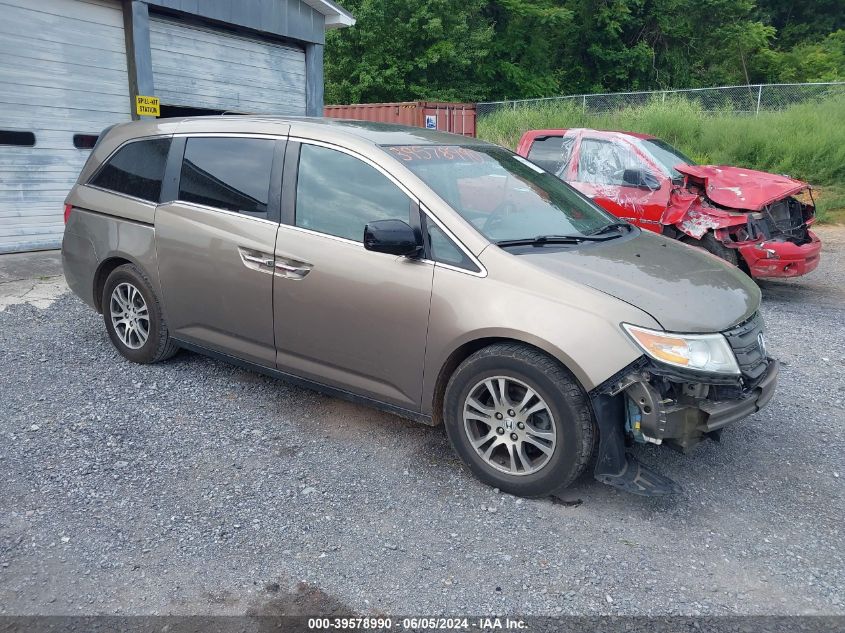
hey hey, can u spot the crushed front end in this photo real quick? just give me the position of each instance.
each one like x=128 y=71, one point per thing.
x=765 y=218
x=649 y=402
x=777 y=241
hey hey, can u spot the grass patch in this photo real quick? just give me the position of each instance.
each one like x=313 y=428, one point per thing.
x=806 y=141
x=830 y=204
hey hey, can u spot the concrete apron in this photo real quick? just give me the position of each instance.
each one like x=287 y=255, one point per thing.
x=33 y=278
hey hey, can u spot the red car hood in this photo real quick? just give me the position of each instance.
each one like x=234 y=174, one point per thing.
x=739 y=188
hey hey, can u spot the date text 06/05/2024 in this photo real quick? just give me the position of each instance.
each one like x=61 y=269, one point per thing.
x=418 y=623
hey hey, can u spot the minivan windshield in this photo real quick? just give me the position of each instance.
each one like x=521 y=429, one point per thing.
x=504 y=196
x=665 y=156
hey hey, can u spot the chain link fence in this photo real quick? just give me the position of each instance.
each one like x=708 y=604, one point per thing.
x=749 y=99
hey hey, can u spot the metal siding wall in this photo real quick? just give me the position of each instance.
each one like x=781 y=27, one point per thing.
x=286 y=18
x=207 y=68
x=314 y=82
x=63 y=72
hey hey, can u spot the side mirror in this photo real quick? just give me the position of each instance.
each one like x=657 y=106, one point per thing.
x=394 y=237
x=641 y=178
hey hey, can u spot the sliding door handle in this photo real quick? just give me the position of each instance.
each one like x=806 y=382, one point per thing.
x=291 y=268
x=257 y=259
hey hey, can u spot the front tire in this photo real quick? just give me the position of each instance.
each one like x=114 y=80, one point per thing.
x=133 y=317
x=709 y=243
x=519 y=420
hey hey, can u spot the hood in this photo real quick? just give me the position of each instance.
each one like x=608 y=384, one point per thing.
x=683 y=288
x=739 y=188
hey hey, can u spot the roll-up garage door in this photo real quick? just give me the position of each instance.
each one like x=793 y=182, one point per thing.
x=199 y=67
x=62 y=73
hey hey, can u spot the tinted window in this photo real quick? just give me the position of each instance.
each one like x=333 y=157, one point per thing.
x=13 y=137
x=552 y=153
x=605 y=162
x=229 y=173
x=444 y=250
x=136 y=169
x=339 y=194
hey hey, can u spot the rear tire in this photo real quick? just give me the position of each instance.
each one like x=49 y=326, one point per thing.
x=134 y=318
x=524 y=453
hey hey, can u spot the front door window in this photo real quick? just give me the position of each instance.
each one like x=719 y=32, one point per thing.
x=339 y=194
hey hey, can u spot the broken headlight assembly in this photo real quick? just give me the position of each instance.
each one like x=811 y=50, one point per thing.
x=709 y=353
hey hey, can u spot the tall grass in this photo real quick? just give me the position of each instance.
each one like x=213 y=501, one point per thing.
x=806 y=141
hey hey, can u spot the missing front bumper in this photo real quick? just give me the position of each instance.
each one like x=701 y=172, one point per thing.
x=669 y=410
x=689 y=412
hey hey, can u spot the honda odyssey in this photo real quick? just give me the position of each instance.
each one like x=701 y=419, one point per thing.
x=435 y=276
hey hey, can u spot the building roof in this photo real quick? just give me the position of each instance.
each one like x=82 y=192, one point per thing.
x=336 y=16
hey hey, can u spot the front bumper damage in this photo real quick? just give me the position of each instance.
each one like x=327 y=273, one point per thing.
x=781 y=258
x=777 y=242
x=647 y=403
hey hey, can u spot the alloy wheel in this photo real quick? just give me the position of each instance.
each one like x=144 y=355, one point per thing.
x=509 y=425
x=129 y=315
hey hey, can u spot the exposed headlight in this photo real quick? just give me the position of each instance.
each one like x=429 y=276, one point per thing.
x=701 y=352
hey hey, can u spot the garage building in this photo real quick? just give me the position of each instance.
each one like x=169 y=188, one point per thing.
x=69 y=68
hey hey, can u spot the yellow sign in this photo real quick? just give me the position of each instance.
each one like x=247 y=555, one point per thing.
x=147 y=106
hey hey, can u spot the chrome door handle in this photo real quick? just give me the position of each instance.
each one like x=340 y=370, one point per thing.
x=257 y=259
x=291 y=268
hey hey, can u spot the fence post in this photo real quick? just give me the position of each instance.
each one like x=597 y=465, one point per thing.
x=759 y=95
x=584 y=103
x=664 y=96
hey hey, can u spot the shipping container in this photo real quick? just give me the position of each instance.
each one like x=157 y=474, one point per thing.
x=458 y=118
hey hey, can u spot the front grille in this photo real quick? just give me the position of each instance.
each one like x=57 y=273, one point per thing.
x=744 y=340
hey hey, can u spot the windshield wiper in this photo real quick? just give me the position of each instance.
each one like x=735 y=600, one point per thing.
x=542 y=240
x=609 y=227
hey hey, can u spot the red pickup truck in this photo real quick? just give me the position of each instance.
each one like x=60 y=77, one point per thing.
x=755 y=220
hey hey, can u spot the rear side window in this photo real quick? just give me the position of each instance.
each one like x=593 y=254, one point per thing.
x=338 y=194
x=552 y=153
x=228 y=173
x=136 y=169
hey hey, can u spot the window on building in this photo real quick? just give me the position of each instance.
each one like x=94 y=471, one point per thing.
x=228 y=173
x=15 y=137
x=85 y=141
x=338 y=194
x=136 y=169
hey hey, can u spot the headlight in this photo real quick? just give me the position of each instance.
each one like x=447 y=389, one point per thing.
x=701 y=352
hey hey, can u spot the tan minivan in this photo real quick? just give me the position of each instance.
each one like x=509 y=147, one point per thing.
x=442 y=278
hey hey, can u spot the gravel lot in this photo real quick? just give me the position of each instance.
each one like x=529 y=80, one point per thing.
x=195 y=487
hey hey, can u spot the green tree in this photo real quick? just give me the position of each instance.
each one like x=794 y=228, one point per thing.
x=528 y=50
x=400 y=50
x=495 y=49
